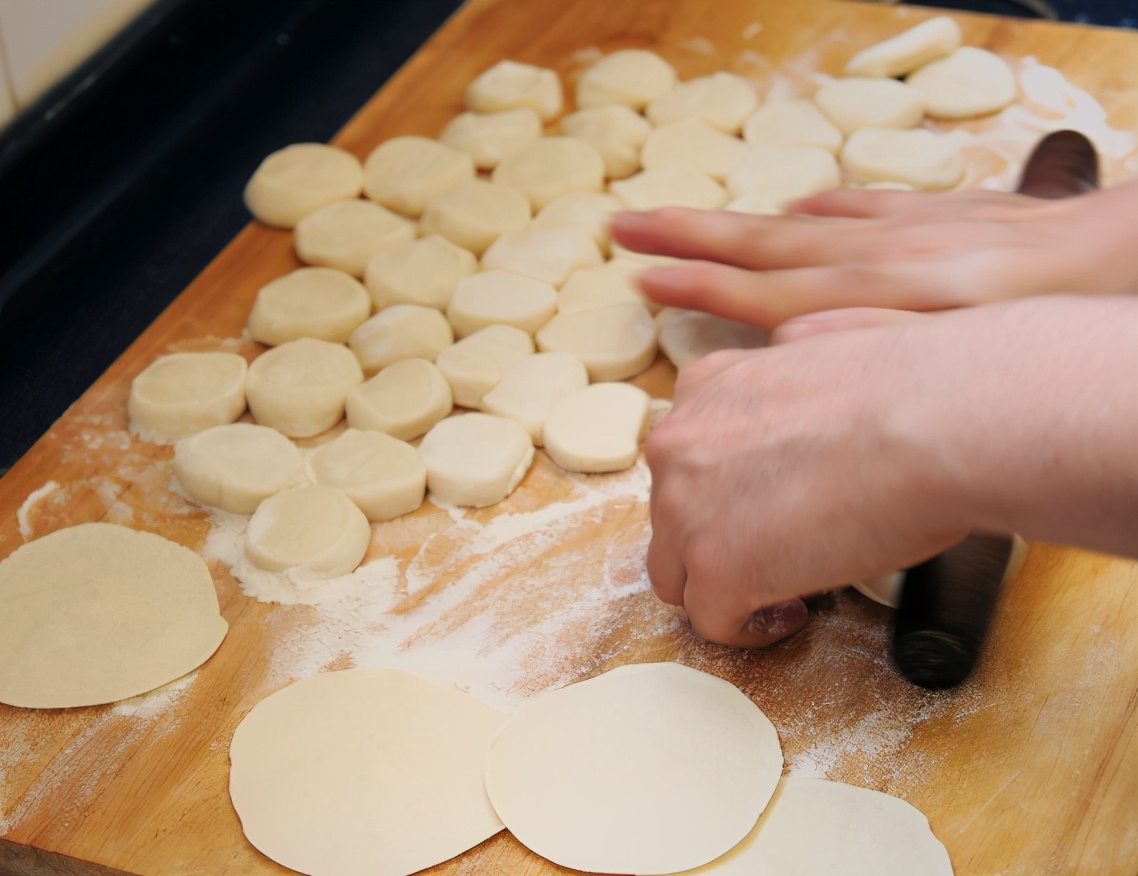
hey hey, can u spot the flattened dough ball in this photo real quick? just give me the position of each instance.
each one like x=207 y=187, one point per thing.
x=551 y=167
x=969 y=82
x=918 y=158
x=531 y=387
x=424 y=273
x=488 y=138
x=97 y=612
x=792 y=123
x=474 y=365
x=384 y=476
x=474 y=213
x=597 y=429
x=723 y=100
x=183 y=393
x=688 y=335
x=311 y=532
x=907 y=51
x=612 y=283
x=546 y=254
x=403 y=400
x=299 y=387
x=857 y=102
x=401 y=331
x=774 y=175
x=405 y=174
x=630 y=77
x=588 y=210
x=347 y=234
x=695 y=144
x=475 y=459
x=669 y=187
x=509 y=84
x=501 y=298
x=614 y=342
x=309 y=303
x=616 y=132
x=300 y=179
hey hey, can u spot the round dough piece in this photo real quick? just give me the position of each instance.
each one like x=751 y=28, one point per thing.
x=401 y=331
x=546 y=254
x=551 y=167
x=502 y=298
x=424 y=273
x=347 y=234
x=236 y=467
x=688 y=335
x=532 y=387
x=475 y=459
x=670 y=187
x=587 y=210
x=405 y=174
x=969 y=82
x=363 y=772
x=300 y=179
x=490 y=137
x=695 y=144
x=884 y=589
x=299 y=387
x=631 y=77
x=383 y=476
x=403 y=400
x=918 y=158
x=183 y=393
x=854 y=103
x=311 y=532
x=723 y=100
x=509 y=84
x=658 y=768
x=309 y=303
x=612 y=283
x=96 y=613
x=907 y=51
x=475 y=365
x=614 y=342
x=598 y=429
x=475 y=212
x=775 y=175
x=616 y=132
x=792 y=123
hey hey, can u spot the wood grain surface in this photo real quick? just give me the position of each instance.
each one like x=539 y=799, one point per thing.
x=1031 y=767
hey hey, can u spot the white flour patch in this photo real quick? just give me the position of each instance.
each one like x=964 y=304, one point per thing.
x=23 y=515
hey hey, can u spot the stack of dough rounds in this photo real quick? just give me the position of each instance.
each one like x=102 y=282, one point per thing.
x=616 y=132
x=670 y=187
x=424 y=273
x=347 y=234
x=405 y=174
x=631 y=77
x=597 y=429
x=532 y=387
x=792 y=123
x=969 y=82
x=501 y=298
x=309 y=303
x=475 y=459
x=403 y=400
x=907 y=51
x=551 y=167
x=695 y=144
x=183 y=393
x=401 y=331
x=857 y=102
x=299 y=387
x=688 y=335
x=475 y=365
x=917 y=158
x=587 y=210
x=488 y=138
x=474 y=213
x=546 y=254
x=509 y=84
x=384 y=476
x=773 y=175
x=614 y=342
x=300 y=179
x=723 y=100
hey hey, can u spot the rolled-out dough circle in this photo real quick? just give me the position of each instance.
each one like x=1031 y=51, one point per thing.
x=405 y=174
x=300 y=179
x=299 y=388
x=347 y=234
x=98 y=612
x=183 y=393
x=475 y=459
x=657 y=768
x=363 y=772
x=384 y=476
x=309 y=303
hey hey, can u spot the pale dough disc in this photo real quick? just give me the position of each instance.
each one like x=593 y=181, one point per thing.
x=384 y=476
x=475 y=459
x=694 y=144
x=509 y=84
x=669 y=187
x=621 y=254
x=490 y=137
x=474 y=365
x=612 y=283
x=723 y=100
x=183 y=393
x=546 y=254
x=403 y=400
x=551 y=167
x=614 y=342
x=884 y=589
x=969 y=82
x=474 y=213
x=907 y=51
x=631 y=77
x=587 y=210
x=406 y=173
x=792 y=123
x=347 y=234
x=299 y=387
x=363 y=772
x=501 y=298
x=615 y=131
x=854 y=103
x=597 y=429
x=401 y=331
x=237 y=466
x=300 y=179
x=309 y=303
x=918 y=158
x=815 y=827
x=312 y=532
x=688 y=335
x=776 y=175
x=424 y=273
x=658 y=768
x=532 y=387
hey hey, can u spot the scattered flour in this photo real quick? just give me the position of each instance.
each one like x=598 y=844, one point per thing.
x=22 y=516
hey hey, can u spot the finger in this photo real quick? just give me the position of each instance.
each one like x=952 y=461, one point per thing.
x=715 y=622
x=692 y=378
x=827 y=321
x=665 y=570
x=853 y=203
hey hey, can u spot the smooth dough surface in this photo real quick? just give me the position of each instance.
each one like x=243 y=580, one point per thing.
x=688 y=335
x=614 y=342
x=615 y=131
x=346 y=235
x=658 y=768
x=183 y=393
x=532 y=387
x=309 y=303
x=384 y=476
x=363 y=772
x=775 y=175
x=406 y=173
x=918 y=158
x=792 y=123
x=501 y=298
x=490 y=137
x=510 y=84
x=475 y=365
x=969 y=82
x=475 y=459
x=693 y=143
x=403 y=400
x=546 y=254
x=670 y=187
x=612 y=283
x=907 y=51
x=630 y=77
x=551 y=167
x=97 y=612
x=424 y=273
x=400 y=331
x=475 y=212
x=587 y=210
x=857 y=102
x=299 y=387
x=723 y=100
x=597 y=429
x=300 y=179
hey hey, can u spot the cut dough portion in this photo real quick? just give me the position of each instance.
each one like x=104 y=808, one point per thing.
x=424 y=273
x=546 y=254
x=631 y=77
x=857 y=103
x=299 y=387
x=551 y=167
x=723 y=100
x=475 y=365
x=907 y=51
x=695 y=144
x=662 y=767
x=616 y=132
x=792 y=123
x=621 y=254
x=363 y=772
x=401 y=331
x=969 y=82
x=300 y=179
x=406 y=173
x=612 y=283
x=183 y=393
x=403 y=400
x=309 y=303
x=688 y=335
x=774 y=175
x=311 y=532
x=384 y=476
x=509 y=84
x=614 y=342
x=475 y=459
x=96 y=613
x=598 y=429
x=918 y=158
x=502 y=298
x=532 y=387
x=490 y=137
x=588 y=211
x=236 y=467
x=474 y=213
x=346 y=235
x=670 y=187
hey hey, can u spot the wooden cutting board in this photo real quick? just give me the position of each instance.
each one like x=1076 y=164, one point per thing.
x=1029 y=768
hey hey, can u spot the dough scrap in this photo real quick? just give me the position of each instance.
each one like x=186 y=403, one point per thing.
x=907 y=51
x=551 y=167
x=403 y=400
x=856 y=102
x=918 y=158
x=475 y=459
x=597 y=429
x=475 y=212
x=401 y=331
x=383 y=476
x=723 y=100
x=792 y=123
x=772 y=176
x=532 y=387
x=488 y=138
x=615 y=131
x=390 y=787
x=309 y=303
x=688 y=335
x=406 y=173
x=695 y=144
x=183 y=393
x=615 y=342
x=969 y=82
x=631 y=77
x=669 y=187
x=546 y=254
x=299 y=387
x=612 y=283
x=509 y=84
x=502 y=298
x=475 y=365
x=345 y=235
x=424 y=273
x=311 y=532
x=300 y=179
x=585 y=210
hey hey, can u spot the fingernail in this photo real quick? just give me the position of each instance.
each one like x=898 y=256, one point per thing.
x=779 y=620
